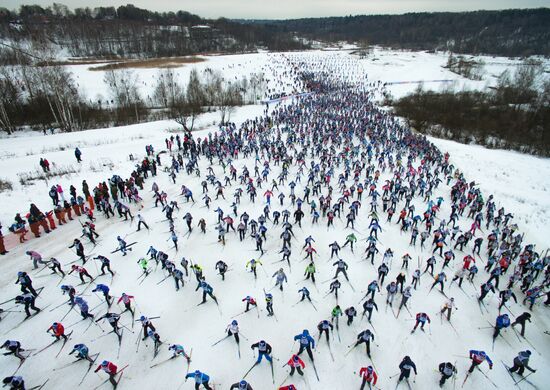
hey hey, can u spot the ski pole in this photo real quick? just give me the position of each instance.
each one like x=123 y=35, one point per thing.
x=524 y=378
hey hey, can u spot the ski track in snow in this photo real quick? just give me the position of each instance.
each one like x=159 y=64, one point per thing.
x=518 y=182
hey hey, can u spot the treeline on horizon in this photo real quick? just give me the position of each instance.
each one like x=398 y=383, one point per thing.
x=513 y=32
x=132 y=32
x=129 y=31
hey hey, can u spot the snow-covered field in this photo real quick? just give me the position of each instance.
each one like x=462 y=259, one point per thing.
x=234 y=67
x=401 y=69
x=518 y=182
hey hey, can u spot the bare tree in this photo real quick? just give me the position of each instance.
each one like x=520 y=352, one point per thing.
x=168 y=90
x=9 y=98
x=58 y=87
x=212 y=86
x=228 y=97
x=123 y=85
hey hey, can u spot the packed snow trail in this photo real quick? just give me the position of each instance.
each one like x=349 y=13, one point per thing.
x=326 y=144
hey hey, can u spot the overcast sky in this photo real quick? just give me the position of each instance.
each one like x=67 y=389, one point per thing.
x=283 y=9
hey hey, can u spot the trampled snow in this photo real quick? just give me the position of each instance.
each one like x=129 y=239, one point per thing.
x=518 y=182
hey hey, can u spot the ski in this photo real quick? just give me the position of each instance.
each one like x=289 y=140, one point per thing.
x=350 y=348
x=189 y=361
x=39 y=386
x=467 y=375
x=127 y=246
x=46 y=347
x=119 y=342
x=250 y=369
x=272 y=371
x=89 y=368
x=31 y=316
x=220 y=340
x=64 y=343
x=19 y=366
x=315 y=370
x=162 y=362
x=67 y=365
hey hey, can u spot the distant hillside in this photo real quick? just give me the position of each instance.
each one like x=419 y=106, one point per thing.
x=131 y=32
x=509 y=32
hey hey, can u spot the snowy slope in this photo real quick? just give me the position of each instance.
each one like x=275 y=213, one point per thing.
x=198 y=327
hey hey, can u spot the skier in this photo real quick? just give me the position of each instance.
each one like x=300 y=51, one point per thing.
x=415 y=278
x=144 y=264
x=335 y=247
x=368 y=306
x=350 y=239
x=242 y=385
x=296 y=364
x=58 y=331
x=28 y=300
x=502 y=322
x=26 y=283
x=264 y=349
x=253 y=263
x=105 y=291
x=421 y=318
x=521 y=362
x=407 y=294
x=15 y=382
x=365 y=337
x=79 y=248
x=324 y=327
x=307 y=343
x=126 y=299
x=206 y=290
x=122 y=246
x=447 y=370
x=83 y=306
x=81 y=273
x=105 y=264
x=341 y=266
x=405 y=366
x=439 y=279
x=36 y=258
x=112 y=319
x=178 y=350
x=233 y=330
x=56 y=266
x=281 y=278
x=350 y=312
x=485 y=288
x=140 y=222
x=70 y=290
x=14 y=348
x=78 y=155
x=200 y=379
x=147 y=326
x=310 y=272
x=221 y=266
x=369 y=376
x=249 y=301
x=111 y=370
x=269 y=304
x=448 y=307
x=82 y=352
x=391 y=288
x=477 y=358
x=505 y=296
x=334 y=286
x=521 y=320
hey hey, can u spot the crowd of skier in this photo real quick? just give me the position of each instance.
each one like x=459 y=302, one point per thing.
x=330 y=158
